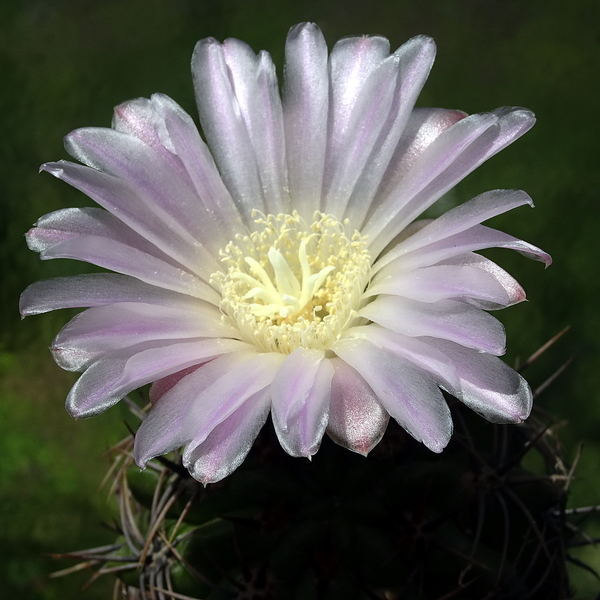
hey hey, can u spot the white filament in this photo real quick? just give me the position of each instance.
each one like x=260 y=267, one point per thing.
x=288 y=285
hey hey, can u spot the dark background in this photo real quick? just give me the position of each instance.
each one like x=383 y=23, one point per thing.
x=65 y=64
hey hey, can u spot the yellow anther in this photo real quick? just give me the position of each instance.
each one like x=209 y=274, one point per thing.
x=290 y=285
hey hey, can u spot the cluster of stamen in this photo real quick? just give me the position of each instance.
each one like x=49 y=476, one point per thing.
x=289 y=285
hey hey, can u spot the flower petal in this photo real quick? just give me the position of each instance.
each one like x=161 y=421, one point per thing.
x=457 y=152
x=69 y=223
x=202 y=400
x=167 y=426
x=138 y=212
x=478 y=237
x=95 y=236
x=121 y=258
x=137 y=117
x=511 y=286
x=413 y=349
x=489 y=386
x=155 y=180
x=164 y=126
x=103 y=329
x=414 y=60
x=357 y=421
x=430 y=284
x=95 y=289
x=305 y=110
x=409 y=394
x=255 y=86
x=300 y=394
x=463 y=217
x=223 y=124
x=113 y=376
x=363 y=78
x=424 y=126
x=178 y=130
x=446 y=319
x=215 y=403
x=430 y=164
x=161 y=386
x=227 y=445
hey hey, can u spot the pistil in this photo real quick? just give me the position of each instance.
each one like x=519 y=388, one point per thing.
x=288 y=285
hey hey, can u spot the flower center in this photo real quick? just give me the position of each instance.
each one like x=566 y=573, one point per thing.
x=289 y=285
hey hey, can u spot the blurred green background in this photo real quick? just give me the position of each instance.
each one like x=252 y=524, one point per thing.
x=66 y=63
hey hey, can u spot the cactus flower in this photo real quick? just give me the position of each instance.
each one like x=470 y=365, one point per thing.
x=280 y=267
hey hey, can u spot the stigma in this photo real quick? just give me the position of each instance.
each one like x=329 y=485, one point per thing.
x=289 y=284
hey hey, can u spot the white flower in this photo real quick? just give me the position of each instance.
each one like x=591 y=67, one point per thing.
x=289 y=276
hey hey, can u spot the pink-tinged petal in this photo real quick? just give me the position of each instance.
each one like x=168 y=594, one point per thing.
x=423 y=185
x=103 y=329
x=476 y=238
x=161 y=186
x=410 y=395
x=424 y=126
x=300 y=394
x=512 y=123
x=164 y=126
x=255 y=86
x=362 y=82
x=145 y=118
x=225 y=395
x=461 y=218
x=201 y=401
x=440 y=282
x=511 y=286
x=70 y=223
x=414 y=60
x=167 y=426
x=446 y=319
x=422 y=355
x=489 y=386
x=305 y=109
x=432 y=162
x=113 y=376
x=95 y=236
x=139 y=212
x=95 y=289
x=291 y=387
x=352 y=61
x=351 y=142
x=178 y=130
x=161 y=386
x=357 y=421
x=227 y=445
x=137 y=117
x=224 y=127
x=121 y=258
